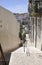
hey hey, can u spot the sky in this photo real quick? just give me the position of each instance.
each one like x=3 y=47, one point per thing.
x=16 y=6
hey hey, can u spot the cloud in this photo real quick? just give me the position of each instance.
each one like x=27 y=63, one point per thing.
x=15 y=6
x=19 y=9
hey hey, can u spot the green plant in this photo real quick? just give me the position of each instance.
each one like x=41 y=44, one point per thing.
x=20 y=32
x=20 y=35
x=23 y=37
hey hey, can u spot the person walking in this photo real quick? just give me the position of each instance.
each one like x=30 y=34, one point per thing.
x=27 y=42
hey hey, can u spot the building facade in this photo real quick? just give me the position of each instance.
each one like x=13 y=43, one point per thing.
x=35 y=13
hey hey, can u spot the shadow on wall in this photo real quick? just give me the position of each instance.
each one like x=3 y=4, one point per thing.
x=5 y=57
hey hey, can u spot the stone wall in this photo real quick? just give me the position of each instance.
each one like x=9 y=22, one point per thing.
x=9 y=30
x=36 y=31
